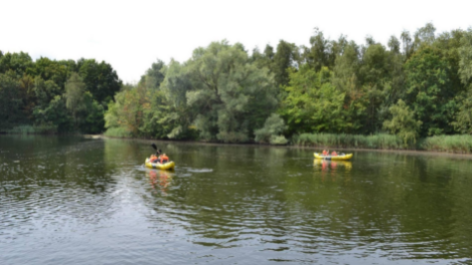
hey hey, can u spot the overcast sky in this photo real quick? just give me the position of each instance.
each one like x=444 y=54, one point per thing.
x=131 y=35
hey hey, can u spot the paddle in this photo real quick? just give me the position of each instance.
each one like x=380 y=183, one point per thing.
x=158 y=151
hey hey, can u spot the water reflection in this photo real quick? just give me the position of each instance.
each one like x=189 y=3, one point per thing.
x=326 y=165
x=160 y=179
x=78 y=198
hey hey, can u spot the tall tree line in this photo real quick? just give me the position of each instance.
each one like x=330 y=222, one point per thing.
x=418 y=85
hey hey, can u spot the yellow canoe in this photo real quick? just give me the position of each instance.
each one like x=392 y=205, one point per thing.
x=166 y=166
x=329 y=157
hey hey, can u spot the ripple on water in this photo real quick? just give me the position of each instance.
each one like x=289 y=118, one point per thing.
x=74 y=206
x=199 y=170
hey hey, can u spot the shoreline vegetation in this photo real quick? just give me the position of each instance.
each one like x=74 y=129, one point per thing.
x=444 y=144
x=415 y=93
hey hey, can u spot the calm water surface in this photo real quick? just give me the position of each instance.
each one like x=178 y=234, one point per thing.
x=70 y=200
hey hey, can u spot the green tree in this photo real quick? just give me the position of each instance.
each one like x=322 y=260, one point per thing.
x=55 y=114
x=45 y=91
x=232 y=97
x=20 y=63
x=374 y=74
x=425 y=35
x=100 y=79
x=347 y=79
x=403 y=123
x=318 y=54
x=127 y=112
x=171 y=114
x=91 y=115
x=313 y=104
x=272 y=131
x=154 y=75
x=407 y=42
x=10 y=100
x=429 y=91
x=56 y=71
x=74 y=95
x=463 y=120
x=286 y=57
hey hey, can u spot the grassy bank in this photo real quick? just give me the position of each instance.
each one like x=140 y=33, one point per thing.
x=118 y=132
x=461 y=144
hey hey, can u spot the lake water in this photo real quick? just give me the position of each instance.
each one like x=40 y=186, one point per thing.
x=73 y=200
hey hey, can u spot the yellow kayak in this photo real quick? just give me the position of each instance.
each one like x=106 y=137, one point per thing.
x=166 y=166
x=329 y=157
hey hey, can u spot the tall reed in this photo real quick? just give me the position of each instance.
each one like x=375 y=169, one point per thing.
x=377 y=141
x=448 y=143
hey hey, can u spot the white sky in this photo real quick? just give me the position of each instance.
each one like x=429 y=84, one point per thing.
x=131 y=35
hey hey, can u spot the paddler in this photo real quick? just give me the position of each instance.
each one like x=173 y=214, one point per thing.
x=162 y=158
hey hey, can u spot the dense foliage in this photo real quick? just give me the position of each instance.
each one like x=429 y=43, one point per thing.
x=419 y=85
x=54 y=96
x=217 y=95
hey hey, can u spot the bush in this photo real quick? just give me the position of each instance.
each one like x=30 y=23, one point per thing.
x=273 y=126
x=232 y=137
x=403 y=123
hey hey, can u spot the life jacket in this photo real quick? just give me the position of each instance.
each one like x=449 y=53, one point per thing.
x=153 y=158
x=163 y=158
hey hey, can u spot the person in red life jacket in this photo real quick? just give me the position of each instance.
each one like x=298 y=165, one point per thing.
x=325 y=153
x=334 y=153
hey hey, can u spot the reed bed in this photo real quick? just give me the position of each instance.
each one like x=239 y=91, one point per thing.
x=377 y=141
x=461 y=144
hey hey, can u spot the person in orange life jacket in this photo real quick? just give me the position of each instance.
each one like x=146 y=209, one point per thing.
x=325 y=153
x=334 y=153
x=155 y=157
x=163 y=158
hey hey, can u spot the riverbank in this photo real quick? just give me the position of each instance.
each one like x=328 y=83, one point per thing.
x=30 y=129
x=436 y=145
